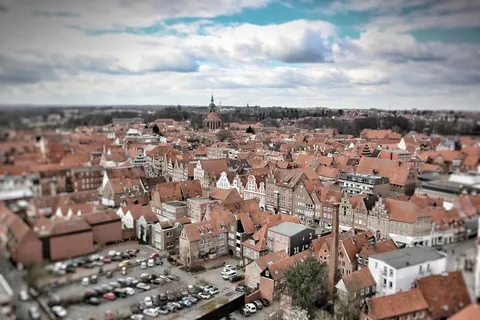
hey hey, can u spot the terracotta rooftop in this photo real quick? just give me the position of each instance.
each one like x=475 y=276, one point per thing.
x=445 y=293
x=359 y=279
x=397 y=304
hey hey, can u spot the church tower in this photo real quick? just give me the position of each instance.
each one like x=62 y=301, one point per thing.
x=212 y=121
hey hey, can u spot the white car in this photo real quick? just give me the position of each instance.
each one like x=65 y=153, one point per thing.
x=229 y=267
x=251 y=307
x=152 y=312
x=129 y=291
x=137 y=317
x=148 y=302
x=143 y=265
x=141 y=260
x=24 y=295
x=143 y=286
x=111 y=253
x=85 y=281
x=151 y=263
x=59 y=311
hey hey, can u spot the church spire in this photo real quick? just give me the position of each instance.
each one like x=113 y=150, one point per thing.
x=212 y=104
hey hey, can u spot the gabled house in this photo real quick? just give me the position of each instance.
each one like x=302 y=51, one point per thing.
x=359 y=283
x=145 y=225
x=254 y=269
x=116 y=191
x=166 y=234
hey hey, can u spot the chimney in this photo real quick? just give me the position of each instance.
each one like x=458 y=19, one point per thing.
x=333 y=263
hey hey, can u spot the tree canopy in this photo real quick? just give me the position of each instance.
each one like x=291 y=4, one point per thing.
x=155 y=129
x=223 y=135
x=250 y=130
x=306 y=283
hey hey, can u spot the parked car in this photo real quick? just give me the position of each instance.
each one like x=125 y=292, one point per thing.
x=166 y=279
x=34 y=314
x=251 y=307
x=116 y=258
x=59 y=311
x=227 y=275
x=94 y=301
x=170 y=307
x=230 y=317
x=137 y=317
x=107 y=288
x=124 y=271
x=204 y=295
x=121 y=293
x=151 y=312
x=258 y=304
x=240 y=288
x=244 y=312
x=236 y=278
x=85 y=281
x=129 y=291
x=109 y=274
x=143 y=265
x=185 y=303
x=191 y=299
x=33 y=292
x=158 y=281
x=24 y=295
x=158 y=261
x=125 y=263
x=143 y=286
x=148 y=302
x=265 y=302
x=184 y=292
x=107 y=260
x=114 y=284
x=109 y=296
x=177 y=305
x=155 y=301
x=213 y=290
x=163 y=311
x=170 y=295
x=207 y=288
x=229 y=267
x=139 y=260
x=142 y=306
x=93 y=279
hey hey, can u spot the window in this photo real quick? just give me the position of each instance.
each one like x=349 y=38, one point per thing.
x=376 y=265
x=420 y=269
x=361 y=291
x=391 y=272
x=367 y=290
x=201 y=242
x=220 y=236
x=390 y=284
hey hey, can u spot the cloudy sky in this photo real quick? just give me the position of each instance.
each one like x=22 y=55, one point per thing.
x=405 y=54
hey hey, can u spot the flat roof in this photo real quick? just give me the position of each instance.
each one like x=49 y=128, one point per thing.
x=177 y=204
x=288 y=228
x=405 y=257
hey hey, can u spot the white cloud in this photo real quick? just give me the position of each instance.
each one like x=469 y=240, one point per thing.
x=297 y=63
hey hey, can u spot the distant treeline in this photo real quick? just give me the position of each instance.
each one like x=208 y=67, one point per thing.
x=316 y=118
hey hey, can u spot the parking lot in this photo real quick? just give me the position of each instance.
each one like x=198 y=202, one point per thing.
x=78 y=309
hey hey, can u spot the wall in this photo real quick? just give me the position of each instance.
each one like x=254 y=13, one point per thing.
x=129 y=234
x=29 y=250
x=254 y=296
x=64 y=247
x=267 y=288
x=108 y=232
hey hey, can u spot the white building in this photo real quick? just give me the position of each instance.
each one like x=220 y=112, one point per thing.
x=254 y=191
x=397 y=270
x=223 y=182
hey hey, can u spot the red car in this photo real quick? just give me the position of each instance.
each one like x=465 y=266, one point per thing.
x=109 y=296
x=107 y=260
x=154 y=255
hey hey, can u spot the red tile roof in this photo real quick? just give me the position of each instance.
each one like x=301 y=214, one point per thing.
x=397 y=304
x=445 y=294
